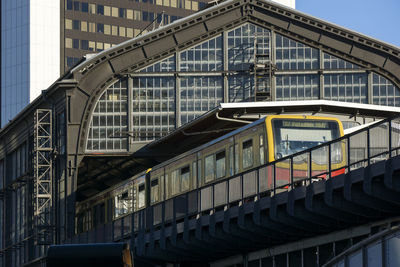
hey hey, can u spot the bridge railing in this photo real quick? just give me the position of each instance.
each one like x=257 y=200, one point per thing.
x=366 y=146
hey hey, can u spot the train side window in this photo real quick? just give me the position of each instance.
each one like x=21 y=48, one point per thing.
x=220 y=163
x=199 y=175
x=154 y=191
x=102 y=213
x=79 y=223
x=236 y=155
x=262 y=150
x=185 y=178
x=162 y=188
x=247 y=149
x=209 y=168
x=231 y=161
x=122 y=204
x=175 y=182
x=194 y=176
x=142 y=196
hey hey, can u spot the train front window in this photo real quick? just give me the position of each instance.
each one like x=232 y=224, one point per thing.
x=295 y=135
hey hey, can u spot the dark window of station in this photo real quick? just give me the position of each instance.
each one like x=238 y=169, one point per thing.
x=76 y=5
x=85 y=7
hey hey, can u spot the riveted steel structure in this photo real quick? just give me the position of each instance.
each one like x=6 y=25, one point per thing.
x=43 y=175
x=111 y=105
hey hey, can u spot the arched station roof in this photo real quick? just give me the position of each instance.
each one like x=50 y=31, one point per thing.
x=95 y=74
x=82 y=87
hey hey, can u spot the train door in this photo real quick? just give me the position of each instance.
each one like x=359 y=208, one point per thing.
x=139 y=193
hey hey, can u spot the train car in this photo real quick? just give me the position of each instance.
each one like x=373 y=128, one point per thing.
x=263 y=141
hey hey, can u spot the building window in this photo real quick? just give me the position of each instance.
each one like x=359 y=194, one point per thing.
x=384 y=92
x=195 y=6
x=99 y=46
x=114 y=11
x=145 y=15
x=92 y=46
x=129 y=32
x=107 y=11
x=109 y=122
x=85 y=7
x=114 y=30
x=92 y=27
x=297 y=87
x=122 y=12
x=100 y=9
x=107 y=29
x=188 y=4
x=129 y=14
x=292 y=55
x=241 y=46
x=76 y=5
x=84 y=44
x=84 y=26
x=137 y=15
x=153 y=107
x=76 y=25
x=68 y=43
x=69 y=5
x=100 y=27
x=346 y=87
x=203 y=57
x=122 y=31
x=198 y=95
x=75 y=43
x=68 y=24
x=92 y=8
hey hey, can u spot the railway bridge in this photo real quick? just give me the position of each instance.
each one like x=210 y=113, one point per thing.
x=256 y=210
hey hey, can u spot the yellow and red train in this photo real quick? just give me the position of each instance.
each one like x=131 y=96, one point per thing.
x=261 y=142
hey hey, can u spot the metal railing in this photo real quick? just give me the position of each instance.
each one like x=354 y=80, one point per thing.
x=369 y=145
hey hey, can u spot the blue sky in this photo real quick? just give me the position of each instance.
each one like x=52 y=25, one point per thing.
x=379 y=19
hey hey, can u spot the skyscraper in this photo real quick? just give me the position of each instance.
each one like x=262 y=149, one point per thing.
x=42 y=39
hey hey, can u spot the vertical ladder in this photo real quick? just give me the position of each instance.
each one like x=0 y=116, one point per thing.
x=262 y=69
x=42 y=184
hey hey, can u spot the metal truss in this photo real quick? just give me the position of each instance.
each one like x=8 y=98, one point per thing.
x=43 y=175
x=262 y=70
